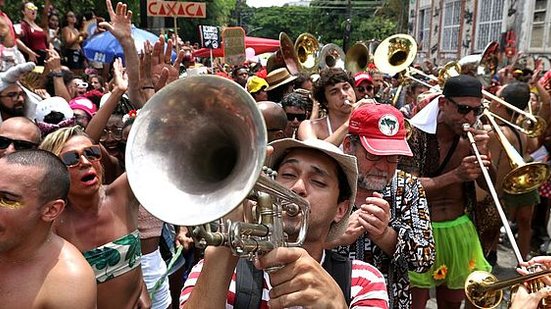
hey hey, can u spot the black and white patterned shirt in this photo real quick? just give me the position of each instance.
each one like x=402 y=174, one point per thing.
x=415 y=245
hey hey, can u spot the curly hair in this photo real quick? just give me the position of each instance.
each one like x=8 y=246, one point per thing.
x=330 y=77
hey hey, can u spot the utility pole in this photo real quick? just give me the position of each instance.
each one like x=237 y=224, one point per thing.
x=347 y=26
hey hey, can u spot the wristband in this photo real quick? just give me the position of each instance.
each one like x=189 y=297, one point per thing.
x=148 y=87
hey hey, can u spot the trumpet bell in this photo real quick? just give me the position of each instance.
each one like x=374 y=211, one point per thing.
x=395 y=53
x=196 y=150
x=525 y=178
x=331 y=56
x=478 y=294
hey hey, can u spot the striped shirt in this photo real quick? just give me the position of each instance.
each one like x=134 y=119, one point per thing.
x=368 y=289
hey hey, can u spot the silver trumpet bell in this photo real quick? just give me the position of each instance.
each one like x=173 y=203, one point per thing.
x=195 y=152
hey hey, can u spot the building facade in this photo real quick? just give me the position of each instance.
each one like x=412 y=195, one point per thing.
x=451 y=29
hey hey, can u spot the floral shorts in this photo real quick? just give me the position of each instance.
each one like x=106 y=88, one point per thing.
x=458 y=253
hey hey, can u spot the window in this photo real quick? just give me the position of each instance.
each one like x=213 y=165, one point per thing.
x=424 y=29
x=540 y=37
x=490 y=17
x=450 y=27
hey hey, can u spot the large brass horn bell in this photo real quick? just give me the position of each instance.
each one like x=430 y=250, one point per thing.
x=307 y=48
x=395 y=53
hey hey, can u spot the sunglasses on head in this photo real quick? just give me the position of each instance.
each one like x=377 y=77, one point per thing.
x=299 y=117
x=364 y=89
x=5 y=142
x=465 y=109
x=73 y=158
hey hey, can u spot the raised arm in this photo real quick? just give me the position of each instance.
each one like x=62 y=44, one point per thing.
x=121 y=28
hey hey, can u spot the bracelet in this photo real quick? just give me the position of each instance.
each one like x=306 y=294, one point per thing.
x=57 y=74
x=148 y=87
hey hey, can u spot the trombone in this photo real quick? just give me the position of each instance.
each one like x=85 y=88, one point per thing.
x=484 y=290
x=396 y=53
x=480 y=288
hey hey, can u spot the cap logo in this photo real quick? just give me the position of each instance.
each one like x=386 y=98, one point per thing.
x=388 y=125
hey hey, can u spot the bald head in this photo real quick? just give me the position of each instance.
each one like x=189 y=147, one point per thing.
x=19 y=129
x=275 y=119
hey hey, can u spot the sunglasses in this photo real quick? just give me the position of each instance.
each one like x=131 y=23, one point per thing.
x=115 y=133
x=364 y=89
x=82 y=85
x=5 y=142
x=73 y=158
x=465 y=109
x=299 y=117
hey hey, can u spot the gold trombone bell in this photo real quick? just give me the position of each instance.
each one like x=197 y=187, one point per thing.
x=484 y=290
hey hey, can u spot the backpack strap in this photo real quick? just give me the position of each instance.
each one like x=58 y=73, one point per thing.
x=248 y=285
x=340 y=269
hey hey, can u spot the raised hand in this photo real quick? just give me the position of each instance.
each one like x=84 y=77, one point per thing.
x=121 y=21
x=120 y=77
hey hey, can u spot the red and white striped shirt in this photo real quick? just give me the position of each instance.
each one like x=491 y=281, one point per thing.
x=368 y=289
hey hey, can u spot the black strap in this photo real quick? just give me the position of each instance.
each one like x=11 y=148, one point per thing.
x=249 y=280
x=340 y=268
x=448 y=156
x=248 y=285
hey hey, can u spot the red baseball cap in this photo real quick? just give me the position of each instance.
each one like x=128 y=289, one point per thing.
x=381 y=129
x=361 y=77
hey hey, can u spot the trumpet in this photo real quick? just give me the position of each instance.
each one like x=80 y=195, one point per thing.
x=484 y=290
x=196 y=152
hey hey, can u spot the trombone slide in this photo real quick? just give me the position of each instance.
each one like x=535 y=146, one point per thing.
x=493 y=193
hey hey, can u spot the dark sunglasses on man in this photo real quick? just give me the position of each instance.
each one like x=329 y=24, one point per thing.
x=299 y=117
x=72 y=158
x=465 y=109
x=18 y=144
x=364 y=89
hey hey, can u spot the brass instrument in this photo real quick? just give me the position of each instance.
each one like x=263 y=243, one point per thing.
x=480 y=287
x=195 y=152
x=523 y=177
x=395 y=53
x=357 y=58
x=484 y=290
x=394 y=57
x=307 y=48
x=482 y=66
x=331 y=56
x=284 y=57
x=525 y=61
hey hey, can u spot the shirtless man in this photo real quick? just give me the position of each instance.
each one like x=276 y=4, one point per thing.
x=18 y=133
x=335 y=92
x=446 y=166
x=39 y=269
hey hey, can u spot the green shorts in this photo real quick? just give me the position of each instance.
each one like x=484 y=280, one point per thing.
x=458 y=253
x=526 y=199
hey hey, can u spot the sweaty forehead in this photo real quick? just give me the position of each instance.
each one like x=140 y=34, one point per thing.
x=16 y=129
x=76 y=143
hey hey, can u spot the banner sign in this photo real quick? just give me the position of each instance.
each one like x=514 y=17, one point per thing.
x=234 y=45
x=176 y=9
x=210 y=36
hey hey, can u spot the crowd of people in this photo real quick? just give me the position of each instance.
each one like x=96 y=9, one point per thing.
x=399 y=204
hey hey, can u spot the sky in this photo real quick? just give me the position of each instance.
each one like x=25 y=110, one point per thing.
x=263 y=3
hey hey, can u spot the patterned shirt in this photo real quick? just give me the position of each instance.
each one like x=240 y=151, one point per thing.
x=367 y=290
x=415 y=245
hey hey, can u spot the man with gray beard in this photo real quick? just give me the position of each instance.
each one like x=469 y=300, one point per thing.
x=390 y=226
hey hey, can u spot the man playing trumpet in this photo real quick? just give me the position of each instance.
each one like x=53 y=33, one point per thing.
x=326 y=178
